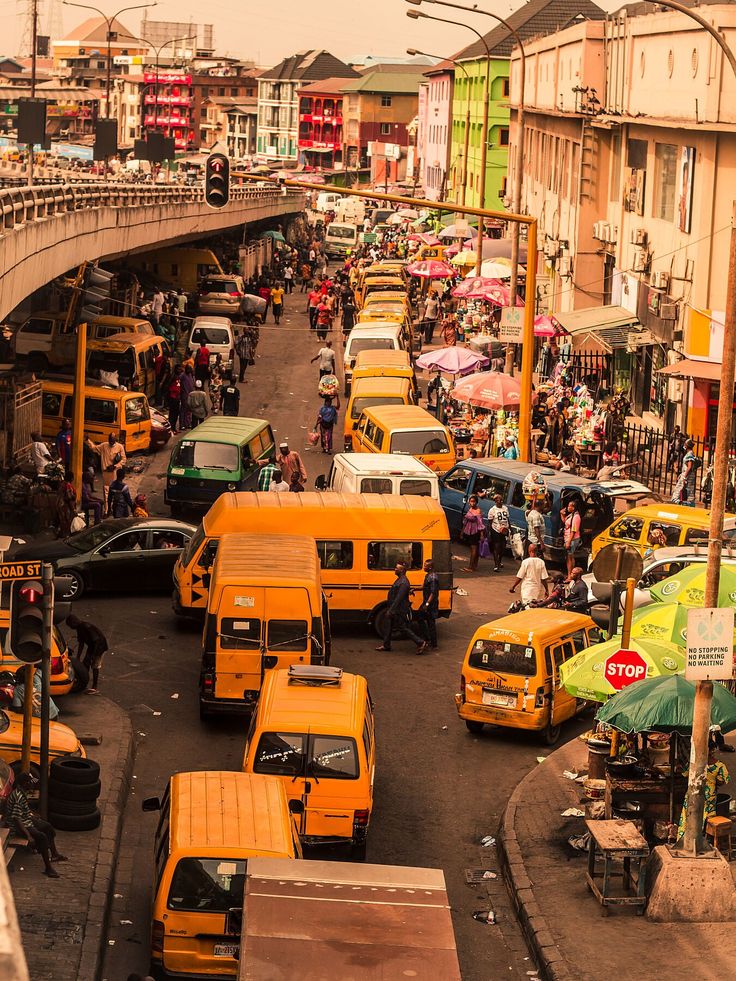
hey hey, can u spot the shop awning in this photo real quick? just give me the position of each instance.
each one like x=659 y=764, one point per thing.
x=707 y=370
x=609 y=326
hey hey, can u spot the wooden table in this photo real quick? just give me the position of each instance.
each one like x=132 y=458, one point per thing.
x=617 y=841
x=646 y=790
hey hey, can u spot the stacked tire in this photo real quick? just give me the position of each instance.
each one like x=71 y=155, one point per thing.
x=74 y=788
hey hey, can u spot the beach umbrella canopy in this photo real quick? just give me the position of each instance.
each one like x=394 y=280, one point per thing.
x=583 y=675
x=661 y=622
x=430 y=269
x=451 y=231
x=544 y=326
x=409 y=213
x=426 y=238
x=451 y=360
x=665 y=705
x=500 y=248
x=475 y=288
x=501 y=296
x=466 y=257
x=493 y=269
x=688 y=587
x=488 y=390
x=276 y=236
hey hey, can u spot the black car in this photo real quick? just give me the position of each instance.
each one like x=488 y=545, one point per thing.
x=120 y=554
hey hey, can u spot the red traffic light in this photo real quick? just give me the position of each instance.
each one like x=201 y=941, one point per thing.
x=31 y=592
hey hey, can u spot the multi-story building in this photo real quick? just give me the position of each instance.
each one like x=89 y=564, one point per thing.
x=82 y=55
x=236 y=81
x=167 y=34
x=491 y=55
x=167 y=105
x=435 y=129
x=71 y=111
x=278 y=103
x=321 y=136
x=378 y=108
x=242 y=127
x=630 y=151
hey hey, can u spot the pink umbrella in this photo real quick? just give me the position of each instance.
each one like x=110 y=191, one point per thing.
x=431 y=269
x=501 y=296
x=488 y=390
x=451 y=360
x=544 y=326
x=475 y=288
x=426 y=238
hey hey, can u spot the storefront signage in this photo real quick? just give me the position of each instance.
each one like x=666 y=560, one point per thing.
x=709 y=645
x=511 y=327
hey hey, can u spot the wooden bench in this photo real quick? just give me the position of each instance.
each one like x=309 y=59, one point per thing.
x=617 y=841
x=10 y=843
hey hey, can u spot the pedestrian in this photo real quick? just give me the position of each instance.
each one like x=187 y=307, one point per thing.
x=716 y=775
x=173 y=397
x=535 y=526
x=119 y=501
x=269 y=472
x=306 y=276
x=572 y=537
x=577 y=593
x=473 y=528
x=676 y=450
x=499 y=525
x=231 y=398
x=39 y=453
x=243 y=350
x=289 y=278
x=279 y=484
x=296 y=486
x=398 y=612
x=38 y=833
x=324 y=318
x=202 y=363
x=509 y=450
x=429 y=610
x=431 y=313
x=112 y=455
x=140 y=506
x=186 y=382
x=277 y=301
x=314 y=298
x=92 y=647
x=19 y=694
x=684 y=492
x=348 y=315
x=216 y=390
x=533 y=578
x=64 y=443
x=289 y=461
x=326 y=358
x=91 y=503
x=326 y=419
x=197 y=404
x=157 y=307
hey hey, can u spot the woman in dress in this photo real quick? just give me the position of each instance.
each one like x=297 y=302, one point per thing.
x=473 y=528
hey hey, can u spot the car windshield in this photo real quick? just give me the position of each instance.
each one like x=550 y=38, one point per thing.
x=325 y=756
x=219 y=286
x=420 y=442
x=196 y=455
x=335 y=231
x=503 y=656
x=370 y=344
x=90 y=538
x=362 y=403
x=207 y=885
x=210 y=335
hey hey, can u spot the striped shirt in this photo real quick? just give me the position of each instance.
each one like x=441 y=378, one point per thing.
x=266 y=475
x=18 y=809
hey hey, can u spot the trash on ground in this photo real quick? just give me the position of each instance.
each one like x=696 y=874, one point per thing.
x=569 y=774
x=444 y=728
x=461 y=592
x=573 y=812
x=126 y=923
x=579 y=842
x=541 y=759
x=490 y=875
x=157 y=713
x=485 y=916
x=175 y=695
x=487 y=840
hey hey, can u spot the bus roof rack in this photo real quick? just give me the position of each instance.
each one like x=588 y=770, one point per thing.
x=314 y=674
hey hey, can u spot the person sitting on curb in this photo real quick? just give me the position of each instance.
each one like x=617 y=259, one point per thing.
x=37 y=832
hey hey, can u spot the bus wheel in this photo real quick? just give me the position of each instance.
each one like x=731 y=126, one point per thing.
x=380 y=621
x=550 y=734
x=474 y=726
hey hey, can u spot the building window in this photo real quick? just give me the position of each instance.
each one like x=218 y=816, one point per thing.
x=615 y=193
x=385 y=101
x=665 y=177
x=506 y=88
x=503 y=136
x=385 y=129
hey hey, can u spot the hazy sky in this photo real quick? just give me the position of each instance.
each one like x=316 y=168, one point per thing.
x=269 y=30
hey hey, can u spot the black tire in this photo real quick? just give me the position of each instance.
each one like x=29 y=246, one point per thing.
x=75 y=769
x=358 y=851
x=474 y=726
x=551 y=734
x=81 y=675
x=72 y=808
x=380 y=618
x=77 y=587
x=204 y=714
x=75 y=822
x=77 y=792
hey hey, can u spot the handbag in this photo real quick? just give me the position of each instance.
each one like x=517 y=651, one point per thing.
x=517 y=546
x=484 y=549
x=313 y=437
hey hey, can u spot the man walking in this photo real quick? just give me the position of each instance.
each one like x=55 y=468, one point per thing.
x=431 y=312
x=202 y=363
x=535 y=527
x=326 y=419
x=533 y=578
x=197 y=404
x=326 y=358
x=499 y=524
x=290 y=461
x=289 y=277
x=324 y=318
x=112 y=455
x=398 y=610
x=231 y=398
x=313 y=299
x=243 y=350
x=429 y=610
x=277 y=301
x=92 y=638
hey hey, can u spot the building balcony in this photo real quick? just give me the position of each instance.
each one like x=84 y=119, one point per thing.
x=183 y=101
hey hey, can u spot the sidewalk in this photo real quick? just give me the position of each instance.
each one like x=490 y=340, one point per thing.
x=564 y=925
x=63 y=921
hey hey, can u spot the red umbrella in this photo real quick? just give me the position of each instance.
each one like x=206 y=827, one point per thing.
x=501 y=296
x=426 y=238
x=545 y=326
x=431 y=269
x=475 y=288
x=488 y=390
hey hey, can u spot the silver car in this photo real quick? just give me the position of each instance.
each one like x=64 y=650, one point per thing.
x=222 y=296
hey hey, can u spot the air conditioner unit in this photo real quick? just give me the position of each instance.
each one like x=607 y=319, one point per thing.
x=668 y=311
x=564 y=267
x=598 y=230
x=551 y=248
x=611 y=234
x=638 y=236
x=660 y=280
x=640 y=261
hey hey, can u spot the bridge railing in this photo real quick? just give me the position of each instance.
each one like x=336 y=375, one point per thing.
x=21 y=205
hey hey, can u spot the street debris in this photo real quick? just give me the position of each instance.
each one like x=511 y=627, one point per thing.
x=487 y=841
x=461 y=592
x=175 y=695
x=579 y=842
x=573 y=812
x=485 y=916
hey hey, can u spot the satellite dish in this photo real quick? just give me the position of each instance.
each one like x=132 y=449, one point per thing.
x=617 y=562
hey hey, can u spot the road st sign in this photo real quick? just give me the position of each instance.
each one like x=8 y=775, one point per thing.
x=511 y=328
x=624 y=668
x=709 y=645
x=20 y=570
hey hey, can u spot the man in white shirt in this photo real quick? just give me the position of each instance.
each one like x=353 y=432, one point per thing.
x=499 y=524
x=40 y=451
x=278 y=485
x=431 y=312
x=533 y=578
x=326 y=358
x=535 y=526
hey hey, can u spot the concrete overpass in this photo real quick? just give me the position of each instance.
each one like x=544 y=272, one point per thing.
x=47 y=230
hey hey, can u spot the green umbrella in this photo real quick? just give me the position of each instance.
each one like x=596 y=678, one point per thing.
x=688 y=587
x=665 y=705
x=276 y=236
x=663 y=622
x=582 y=675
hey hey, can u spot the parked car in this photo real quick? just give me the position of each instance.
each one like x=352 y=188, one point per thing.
x=62 y=740
x=219 y=337
x=221 y=295
x=121 y=554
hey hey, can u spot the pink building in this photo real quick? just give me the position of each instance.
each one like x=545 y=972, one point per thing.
x=435 y=129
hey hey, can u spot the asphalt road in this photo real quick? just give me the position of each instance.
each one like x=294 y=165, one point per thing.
x=439 y=790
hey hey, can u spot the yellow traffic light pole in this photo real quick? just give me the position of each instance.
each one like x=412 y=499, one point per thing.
x=527 y=351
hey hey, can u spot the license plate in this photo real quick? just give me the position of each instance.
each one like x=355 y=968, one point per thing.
x=226 y=950
x=503 y=701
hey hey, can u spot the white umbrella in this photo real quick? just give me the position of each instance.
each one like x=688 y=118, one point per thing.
x=452 y=232
x=408 y=213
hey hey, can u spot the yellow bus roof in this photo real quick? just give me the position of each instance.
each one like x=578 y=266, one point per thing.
x=403 y=416
x=380 y=385
x=230 y=811
x=90 y=391
x=673 y=512
x=290 y=559
x=389 y=359
x=292 y=706
x=540 y=625
x=328 y=515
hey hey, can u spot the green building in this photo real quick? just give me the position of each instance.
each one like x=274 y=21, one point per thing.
x=534 y=19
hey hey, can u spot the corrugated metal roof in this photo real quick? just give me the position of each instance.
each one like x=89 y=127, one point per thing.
x=312 y=65
x=537 y=18
x=379 y=80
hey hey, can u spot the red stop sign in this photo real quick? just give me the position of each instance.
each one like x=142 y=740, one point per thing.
x=624 y=668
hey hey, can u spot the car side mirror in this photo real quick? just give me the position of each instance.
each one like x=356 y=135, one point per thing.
x=296 y=807
x=104 y=551
x=151 y=804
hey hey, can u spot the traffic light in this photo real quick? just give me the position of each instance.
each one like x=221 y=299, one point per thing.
x=217 y=180
x=96 y=290
x=25 y=636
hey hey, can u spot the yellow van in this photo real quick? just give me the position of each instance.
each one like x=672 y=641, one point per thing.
x=385 y=283
x=106 y=410
x=396 y=364
x=314 y=729
x=405 y=429
x=510 y=673
x=680 y=526
x=177 y=265
x=266 y=610
x=360 y=538
x=366 y=392
x=211 y=823
x=129 y=357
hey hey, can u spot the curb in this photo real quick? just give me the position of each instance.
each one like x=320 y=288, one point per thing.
x=108 y=847
x=549 y=957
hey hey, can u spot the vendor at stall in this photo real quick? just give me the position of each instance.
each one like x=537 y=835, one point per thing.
x=716 y=775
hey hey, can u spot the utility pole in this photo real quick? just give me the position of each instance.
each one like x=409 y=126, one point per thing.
x=34 y=47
